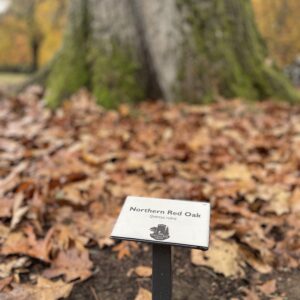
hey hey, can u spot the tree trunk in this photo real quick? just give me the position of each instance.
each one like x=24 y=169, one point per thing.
x=35 y=49
x=175 y=49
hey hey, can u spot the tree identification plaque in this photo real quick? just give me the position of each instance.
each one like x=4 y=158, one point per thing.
x=164 y=221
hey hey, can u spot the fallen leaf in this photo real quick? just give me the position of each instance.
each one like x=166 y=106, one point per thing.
x=268 y=288
x=143 y=294
x=294 y=201
x=255 y=262
x=67 y=236
x=124 y=248
x=277 y=197
x=27 y=243
x=43 y=290
x=4 y=232
x=6 y=207
x=13 y=179
x=143 y=271
x=130 y=272
x=81 y=192
x=225 y=234
x=18 y=211
x=200 y=139
x=223 y=257
x=280 y=201
x=5 y=282
x=7 y=267
x=105 y=242
x=235 y=171
x=71 y=264
x=97 y=228
x=9 y=145
x=249 y=294
x=90 y=158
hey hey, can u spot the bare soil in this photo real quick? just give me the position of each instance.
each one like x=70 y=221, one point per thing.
x=112 y=282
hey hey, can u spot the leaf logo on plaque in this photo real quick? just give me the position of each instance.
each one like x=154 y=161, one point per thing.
x=160 y=232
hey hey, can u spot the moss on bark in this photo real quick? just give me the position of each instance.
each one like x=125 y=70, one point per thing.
x=106 y=68
x=222 y=54
x=229 y=55
x=114 y=75
x=70 y=69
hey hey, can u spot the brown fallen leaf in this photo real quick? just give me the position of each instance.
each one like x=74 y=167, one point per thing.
x=97 y=160
x=105 y=242
x=26 y=243
x=249 y=294
x=67 y=236
x=223 y=257
x=10 y=264
x=294 y=201
x=5 y=282
x=235 y=171
x=18 y=211
x=124 y=248
x=43 y=290
x=280 y=202
x=200 y=139
x=269 y=287
x=143 y=271
x=13 y=179
x=97 y=228
x=255 y=262
x=9 y=145
x=278 y=198
x=91 y=158
x=124 y=110
x=71 y=264
x=4 y=232
x=6 y=207
x=82 y=192
x=143 y=294
x=225 y=234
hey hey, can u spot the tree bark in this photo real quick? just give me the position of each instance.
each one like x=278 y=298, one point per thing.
x=35 y=50
x=175 y=49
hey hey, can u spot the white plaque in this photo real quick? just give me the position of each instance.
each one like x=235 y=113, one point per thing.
x=164 y=221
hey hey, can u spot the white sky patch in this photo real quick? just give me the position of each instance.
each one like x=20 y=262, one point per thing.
x=3 y=5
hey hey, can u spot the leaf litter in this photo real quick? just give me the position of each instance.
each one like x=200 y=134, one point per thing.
x=65 y=174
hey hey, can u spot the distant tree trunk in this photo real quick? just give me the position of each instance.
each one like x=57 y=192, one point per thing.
x=35 y=34
x=35 y=49
x=176 y=49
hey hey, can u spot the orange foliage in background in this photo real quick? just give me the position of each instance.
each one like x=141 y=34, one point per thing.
x=14 y=31
x=52 y=23
x=279 y=23
x=13 y=43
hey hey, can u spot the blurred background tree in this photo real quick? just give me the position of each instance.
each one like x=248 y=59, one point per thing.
x=176 y=50
x=30 y=32
x=233 y=62
x=279 y=23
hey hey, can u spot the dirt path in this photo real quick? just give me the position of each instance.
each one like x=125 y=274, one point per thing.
x=110 y=281
x=9 y=81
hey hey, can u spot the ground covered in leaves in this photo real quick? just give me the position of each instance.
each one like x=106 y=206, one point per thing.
x=65 y=174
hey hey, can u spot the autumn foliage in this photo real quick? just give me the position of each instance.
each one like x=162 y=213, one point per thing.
x=279 y=24
x=20 y=25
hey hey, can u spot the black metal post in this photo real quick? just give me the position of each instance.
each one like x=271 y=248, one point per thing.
x=162 y=272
